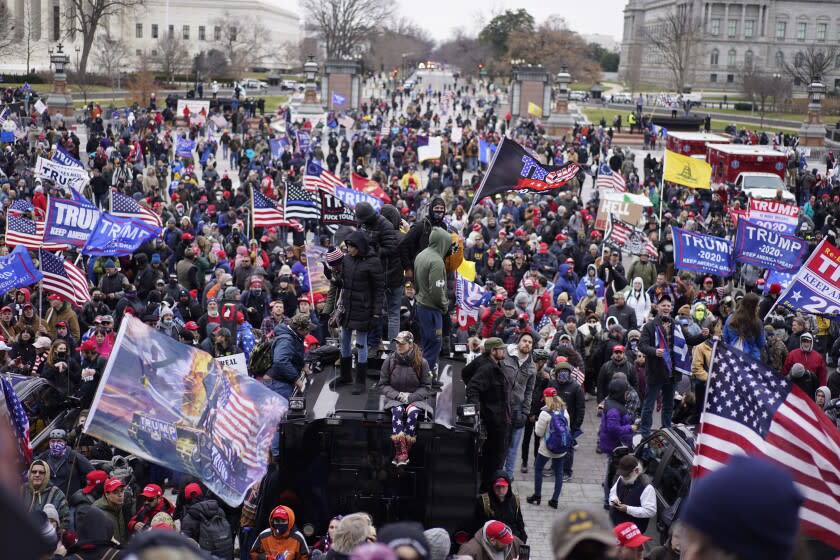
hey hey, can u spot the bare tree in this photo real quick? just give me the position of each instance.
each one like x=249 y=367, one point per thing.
x=464 y=52
x=346 y=25
x=244 y=41
x=812 y=63
x=86 y=16
x=676 y=37
x=28 y=44
x=142 y=84
x=170 y=59
x=760 y=86
x=110 y=55
x=8 y=40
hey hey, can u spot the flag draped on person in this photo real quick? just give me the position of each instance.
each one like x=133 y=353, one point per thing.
x=124 y=206
x=609 y=179
x=752 y=410
x=299 y=204
x=265 y=213
x=18 y=420
x=64 y=278
x=29 y=233
x=514 y=169
x=316 y=178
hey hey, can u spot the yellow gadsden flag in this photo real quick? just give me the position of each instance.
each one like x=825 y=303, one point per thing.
x=534 y=110
x=687 y=171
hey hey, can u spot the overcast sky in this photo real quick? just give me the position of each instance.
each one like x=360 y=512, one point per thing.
x=441 y=17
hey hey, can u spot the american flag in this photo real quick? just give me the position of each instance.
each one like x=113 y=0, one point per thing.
x=236 y=426
x=18 y=419
x=29 y=233
x=20 y=206
x=316 y=178
x=617 y=233
x=64 y=278
x=300 y=204
x=609 y=179
x=468 y=295
x=267 y=214
x=126 y=207
x=751 y=410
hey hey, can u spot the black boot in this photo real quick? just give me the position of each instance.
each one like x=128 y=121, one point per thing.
x=361 y=378
x=346 y=374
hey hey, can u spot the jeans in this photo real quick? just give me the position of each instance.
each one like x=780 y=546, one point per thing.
x=361 y=344
x=393 y=300
x=651 y=395
x=515 y=445
x=556 y=464
x=431 y=324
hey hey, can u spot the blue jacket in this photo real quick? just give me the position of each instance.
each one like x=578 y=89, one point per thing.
x=751 y=347
x=565 y=283
x=287 y=357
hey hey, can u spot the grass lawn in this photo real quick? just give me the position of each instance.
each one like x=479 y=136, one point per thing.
x=272 y=102
x=595 y=114
x=580 y=87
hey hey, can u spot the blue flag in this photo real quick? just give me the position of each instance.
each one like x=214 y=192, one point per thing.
x=17 y=270
x=69 y=221
x=184 y=147
x=114 y=237
x=775 y=277
x=766 y=248
x=702 y=253
x=277 y=148
x=338 y=99
x=63 y=157
x=485 y=151
x=303 y=141
x=682 y=352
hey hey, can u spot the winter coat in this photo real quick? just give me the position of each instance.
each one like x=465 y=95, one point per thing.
x=543 y=426
x=616 y=423
x=566 y=283
x=639 y=302
x=268 y=547
x=430 y=272
x=35 y=500
x=65 y=313
x=193 y=517
x=488 y=388
x=580 y=291
x=644 y=271
x=752 y=347
x=67 y=472
x=398 y=376
x=479 y=549
x=66 y=381
x=362 y=286
x=812 y=360
x=488 y=507
x=608 y=370
x=94 y=530
x=572 y=395
x=115 y=513
x=520 y=378
x=625 y=315
x=656 y=371
x=391 y=256
x=287 y=355
x=145 y=514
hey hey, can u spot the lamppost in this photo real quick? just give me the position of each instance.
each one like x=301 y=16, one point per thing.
x=563 y=79
x=310 y=71
x=79 y=75
x=812 y=132
x=59 y=101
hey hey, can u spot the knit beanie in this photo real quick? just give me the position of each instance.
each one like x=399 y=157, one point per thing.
x=761 y=505
x=439 y=543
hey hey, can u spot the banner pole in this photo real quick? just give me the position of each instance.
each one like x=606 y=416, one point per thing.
x=486 y=174
x=661 y=195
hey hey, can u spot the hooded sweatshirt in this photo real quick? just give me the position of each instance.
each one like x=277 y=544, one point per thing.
x=269 y=546
x=94 y=530
x=826 y=393
x=638 y=300
x=34 y=499
x=430 y=272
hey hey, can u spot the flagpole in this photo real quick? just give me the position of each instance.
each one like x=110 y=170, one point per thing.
x=486 y=174
x=253 y=235
x=705 y=395
x=662 y=194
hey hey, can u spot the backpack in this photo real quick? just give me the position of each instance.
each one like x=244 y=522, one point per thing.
x=261 y=357
x=214 y=536
x=558 y=439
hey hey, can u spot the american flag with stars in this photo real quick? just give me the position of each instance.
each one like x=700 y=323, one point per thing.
x=18 y=419
x=126 y=207
x=266 y=213
x=750 y=410
x=316 y=178
x=300 y=204
x=29 y=233
x=610 y=180
x=236 y=426
x=64 y=278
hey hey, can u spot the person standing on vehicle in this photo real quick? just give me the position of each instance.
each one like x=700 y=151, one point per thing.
x=521 y=375
x=432 y=297
x=487 y=388
x=205 y=523
x=500 y=503
x=68 y=468
x=632 y=497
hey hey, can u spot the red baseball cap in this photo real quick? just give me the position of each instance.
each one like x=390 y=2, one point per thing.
x=152 y=491
x=192 y=491
x=94 y=479
x=618 y=348
x=88 y=345
x=191 y=326
x=629 y=535
x=501 y=481
x=500 y=532
x=549 y=392
x=112 y=484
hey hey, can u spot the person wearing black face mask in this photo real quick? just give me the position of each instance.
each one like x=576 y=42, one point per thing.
x=417 y=237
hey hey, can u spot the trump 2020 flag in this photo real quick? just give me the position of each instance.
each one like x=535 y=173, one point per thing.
x=175 y=406
x=750 y=410
x=113 y=236
x=17 y=270
x=815 y=289
x=184 y=147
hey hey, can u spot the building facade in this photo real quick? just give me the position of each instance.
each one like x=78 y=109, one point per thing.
x=734 y=35
x=201 y=25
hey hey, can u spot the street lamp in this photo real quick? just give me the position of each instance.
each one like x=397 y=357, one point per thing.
x=816 y=89
x=58 y=59
x=563 y=79
x=310 y=71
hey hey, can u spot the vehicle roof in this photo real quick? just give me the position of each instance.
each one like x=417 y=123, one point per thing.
x=747 y=149
x=760 y=174
x=708 y=137
x=767 y=194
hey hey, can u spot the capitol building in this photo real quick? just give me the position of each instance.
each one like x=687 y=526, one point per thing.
x=734 y=35
x=198 y=23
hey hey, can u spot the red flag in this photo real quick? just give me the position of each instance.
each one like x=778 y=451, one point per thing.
x=369 y=186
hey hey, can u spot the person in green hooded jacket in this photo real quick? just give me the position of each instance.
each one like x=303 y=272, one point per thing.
x=432 y=298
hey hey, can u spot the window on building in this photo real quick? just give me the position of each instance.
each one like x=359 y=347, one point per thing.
x=233 y=34
x=732 y=27
x=154 y=31
x=730 y=78
x=713 y=78
x=56 y=30
x=801 y=30
x=731 y=57
x=748 y=59
x=171 y=31
x=837 y=61
x=798 y=60
x=185 y=32
x=780 y=59
x=713 y=59
x=139 y=52
x=822 y=30
x=749 y=28
x=201 y=33
x=714 y=26
x=138 y=31
x=836 y=84
x=781 y=29
x=154 y=52
x=217 y=33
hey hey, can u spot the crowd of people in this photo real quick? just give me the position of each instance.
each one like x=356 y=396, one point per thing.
x=565 y=318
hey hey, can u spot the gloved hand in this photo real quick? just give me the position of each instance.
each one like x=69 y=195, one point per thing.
x=403 y=397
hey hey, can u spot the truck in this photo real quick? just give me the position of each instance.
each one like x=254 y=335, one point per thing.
x=693 y=143
x=728 y=161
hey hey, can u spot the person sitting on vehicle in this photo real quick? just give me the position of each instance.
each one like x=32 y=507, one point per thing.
x=500 y=503
x=281 y=539
x=632 y=497
x=67 y=467
x=405 y=383
x=204 y=522
x=38 y=492
x=494 y=540
x=153 y=503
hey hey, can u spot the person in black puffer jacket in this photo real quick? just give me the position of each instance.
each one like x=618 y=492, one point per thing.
x=203 y=510
x=394 y=276
x=94 y=530
x=362 y=293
